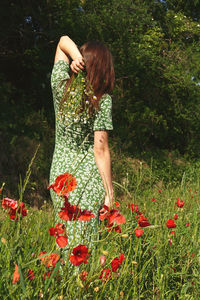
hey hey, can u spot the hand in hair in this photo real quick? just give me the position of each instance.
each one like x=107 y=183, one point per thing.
x=77 y=65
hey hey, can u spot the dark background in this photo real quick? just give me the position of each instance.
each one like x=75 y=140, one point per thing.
x=156 y=100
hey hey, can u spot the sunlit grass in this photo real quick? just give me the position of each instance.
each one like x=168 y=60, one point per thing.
x=157 y=265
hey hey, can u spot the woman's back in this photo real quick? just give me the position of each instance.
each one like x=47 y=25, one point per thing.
x=76 y=132
x=74 y=153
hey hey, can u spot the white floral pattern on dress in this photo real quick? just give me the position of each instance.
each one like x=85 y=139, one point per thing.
x=74 y=153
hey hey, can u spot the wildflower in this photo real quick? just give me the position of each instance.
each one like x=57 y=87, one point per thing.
x=159 y=191
x=175 y=217
x=69 y=212
x=153 y=199
x=83 y=275
x=62 y=241
x=14 y=208
x=115 y=216
x=104 y=252
x=73 y=212
x=170 y=242
x=116 y=262
x=53 y=258
x=117 y=204
x=139 y=232
x=64 y=184
x=16 y=275
x=170 y=223
x=106 y=274
x=102 y=260
x=173 y=232
x=56 y=231
x=112 y=215
x=114 y=228
x=125 y=235
x=44 y=258
x=86 y=215
x=180 y=203
x=47 y=274
x=187 y=224
x=133 y=207
x=50 y=260
x=3 y=240
x=96 y=289
x=80 y=255
x=9 y=203
x=143 y=222
x=30 y=274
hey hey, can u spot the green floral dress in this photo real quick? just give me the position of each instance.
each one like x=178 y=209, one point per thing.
x=74 y=154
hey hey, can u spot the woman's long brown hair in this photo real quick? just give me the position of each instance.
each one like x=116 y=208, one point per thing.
x=99 y=70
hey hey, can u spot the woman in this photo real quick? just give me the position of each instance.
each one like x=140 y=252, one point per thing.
x=81 y=144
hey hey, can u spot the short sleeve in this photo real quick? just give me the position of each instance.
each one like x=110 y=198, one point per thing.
x=103 y=119
x=59 y=73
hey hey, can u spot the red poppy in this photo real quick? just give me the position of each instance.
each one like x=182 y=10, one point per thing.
x=70 y=212
x=106 y=274
x=187 y=224
x=16 y=275
x=59 y=229
x=139 y=232
x=49 y=260
x=115 y=216
x=112 y=215
x=173 y=232
x=117 y=204
x=159 y=191
x=83 y=275
x=80 y=255
x=62 y=241
x=9 y=203
x=153 y=199
x=53 y=258
x=114 y=228
x=170 y=223
x=175 y=217
x=14 y=208
x=116 y=262
x=30 y=274
x=47 y=274
x=180 y=203
x=73 y=212
x=64 y=184
x=133 y=207
x=43 y=259
x=170 y=241
x=86 y=215
x=143 y=222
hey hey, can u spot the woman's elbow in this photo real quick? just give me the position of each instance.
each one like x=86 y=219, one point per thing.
x=100 y=151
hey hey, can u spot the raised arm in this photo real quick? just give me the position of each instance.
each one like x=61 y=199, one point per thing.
x=103 y=161
x=67 y=48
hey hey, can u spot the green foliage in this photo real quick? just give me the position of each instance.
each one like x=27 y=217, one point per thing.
x=158 y=264
x=156 y=61
x=155 y=45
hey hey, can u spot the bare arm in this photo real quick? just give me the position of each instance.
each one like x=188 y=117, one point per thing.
x=67 y=48
x=103 y=161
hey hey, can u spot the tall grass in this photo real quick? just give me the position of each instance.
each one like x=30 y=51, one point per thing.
x=157 y=265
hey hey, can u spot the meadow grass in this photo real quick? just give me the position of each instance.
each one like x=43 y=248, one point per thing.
x=157 y=265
